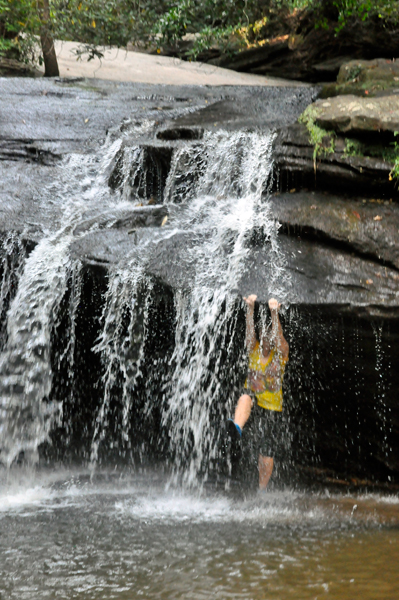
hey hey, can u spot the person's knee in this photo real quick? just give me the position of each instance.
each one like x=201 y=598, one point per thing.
x=245 y=401
x=243 y=410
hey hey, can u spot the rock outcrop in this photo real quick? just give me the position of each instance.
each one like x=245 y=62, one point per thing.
x=337 y=253
x=366 y=78
x=298 y=50
x=352 y=115
x=348 y=142
x=332 y=166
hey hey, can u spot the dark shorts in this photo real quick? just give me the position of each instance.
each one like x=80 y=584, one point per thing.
x=266 y=431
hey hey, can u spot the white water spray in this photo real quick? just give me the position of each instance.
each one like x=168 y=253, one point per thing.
x=222 y=208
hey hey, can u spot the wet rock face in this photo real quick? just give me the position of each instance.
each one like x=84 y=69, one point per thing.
x=82 y=393
x=340 y=396
x=351 y=138
x=148 y=183
x=298 y=167
x=128 y=219
x=363 y=226
x=339 y=254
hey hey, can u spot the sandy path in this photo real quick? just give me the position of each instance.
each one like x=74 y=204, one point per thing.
x=122 y=65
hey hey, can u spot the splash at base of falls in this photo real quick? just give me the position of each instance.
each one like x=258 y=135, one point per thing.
x=123 y=535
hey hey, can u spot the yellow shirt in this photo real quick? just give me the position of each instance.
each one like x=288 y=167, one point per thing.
x=271 y=374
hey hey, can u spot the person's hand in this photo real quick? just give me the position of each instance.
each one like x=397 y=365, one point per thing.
x=250 y=300
x=274 y=304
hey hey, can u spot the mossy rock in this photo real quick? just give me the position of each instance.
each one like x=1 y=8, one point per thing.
x=369 y=70
x=351 y=114
x=365 y=78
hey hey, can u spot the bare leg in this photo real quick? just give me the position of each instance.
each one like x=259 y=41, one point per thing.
x=265 y=465
x=243 y=410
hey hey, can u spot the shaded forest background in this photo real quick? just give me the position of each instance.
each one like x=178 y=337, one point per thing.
x=285 y=37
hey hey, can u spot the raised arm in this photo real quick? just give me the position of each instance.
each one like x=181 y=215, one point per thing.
x=278 y=338
x=250 y=337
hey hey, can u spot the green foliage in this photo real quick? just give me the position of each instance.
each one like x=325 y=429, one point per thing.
x=344 y=12
x=226 y=39
x=228 y=24
x=323 y=141
x=19 y=22
x=213 y=21
x=354 y=147
x=93 y=22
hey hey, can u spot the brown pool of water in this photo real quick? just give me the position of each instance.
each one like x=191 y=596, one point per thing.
x=132 y=538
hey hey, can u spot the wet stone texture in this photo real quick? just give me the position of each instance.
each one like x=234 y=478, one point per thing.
x=298 y=166
x=349 y=113
x=338 y=252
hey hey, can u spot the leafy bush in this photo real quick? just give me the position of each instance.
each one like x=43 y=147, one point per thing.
x=343 y=12
x=227 y=23
x=18 y=17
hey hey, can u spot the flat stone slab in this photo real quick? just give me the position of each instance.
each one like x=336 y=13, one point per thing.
x=350 y=113
x=125 y=65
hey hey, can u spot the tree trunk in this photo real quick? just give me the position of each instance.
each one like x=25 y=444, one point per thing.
x=47 y=42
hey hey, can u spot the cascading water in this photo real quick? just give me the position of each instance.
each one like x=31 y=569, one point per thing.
x=227 y=201
x=216 y=192
x=27 y=415
x=226 y=176
x=383 y=411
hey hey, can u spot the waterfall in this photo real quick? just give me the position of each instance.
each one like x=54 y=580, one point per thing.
x=27 y=414
x=217 y=194
x=224 y=204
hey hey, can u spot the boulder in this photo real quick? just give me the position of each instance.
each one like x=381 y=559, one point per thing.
x=376 y=77
x=379 y=69
x=350 y=114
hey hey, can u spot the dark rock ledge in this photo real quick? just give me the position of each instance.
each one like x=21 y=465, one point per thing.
x=339 y=253
x=298 y=167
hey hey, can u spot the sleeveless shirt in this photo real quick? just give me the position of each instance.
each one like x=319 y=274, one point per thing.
x=271 y=373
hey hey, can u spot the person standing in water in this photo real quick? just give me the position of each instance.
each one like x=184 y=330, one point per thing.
x=262 y=394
